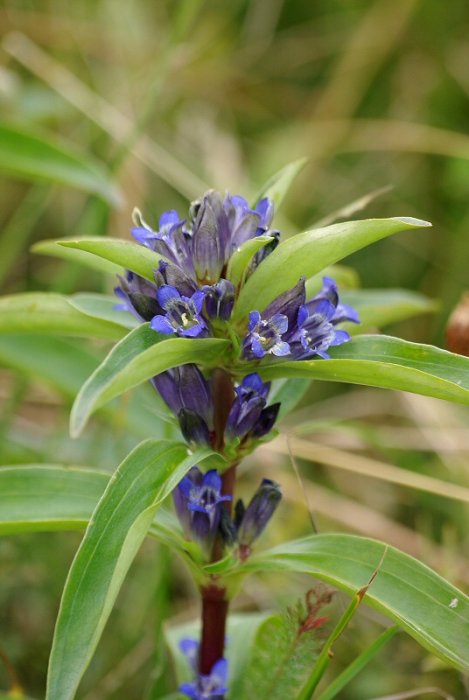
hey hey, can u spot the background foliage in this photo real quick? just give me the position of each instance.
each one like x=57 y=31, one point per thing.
x=150 y=105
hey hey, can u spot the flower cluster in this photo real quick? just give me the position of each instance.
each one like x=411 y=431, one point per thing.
x=192 y=293
x=203 y=687
x=190 y=397
x=200 y=508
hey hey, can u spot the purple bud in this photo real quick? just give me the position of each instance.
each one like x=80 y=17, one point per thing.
x=210 y=238
x=193 y=428
x=188 y=394
x=265 y=422
x=173 y=276
x=219 y=300
x=258 y=512
x=247 y=407
x=138 y=296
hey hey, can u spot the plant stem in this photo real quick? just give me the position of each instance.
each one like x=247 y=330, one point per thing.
x=214 y=600
x=214 y=614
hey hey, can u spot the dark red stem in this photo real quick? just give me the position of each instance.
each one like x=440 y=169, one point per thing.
x=214 y=600
x=214 y=614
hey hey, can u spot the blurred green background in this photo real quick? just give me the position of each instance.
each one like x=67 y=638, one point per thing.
x=106 y=106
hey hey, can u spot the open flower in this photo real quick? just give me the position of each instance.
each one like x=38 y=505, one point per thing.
x=265 y=336
x=198 y=501
x=204 y=687
x=182 y=313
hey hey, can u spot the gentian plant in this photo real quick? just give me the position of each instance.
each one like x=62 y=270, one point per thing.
x=230 y=320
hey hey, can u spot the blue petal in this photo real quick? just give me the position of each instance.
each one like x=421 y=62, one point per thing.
x=219 y=673
x=254 y=320
x=281 y=349
x=340 y=337
x=169 y=218
x=302 y=315
x=257 y=348
x=198 y=299
x=166 y=294
x=143 y=235
x=254 y=382
x=212 y=479
x=160 y=324
x=189 y=647
x=190 y=690
x=280 y=323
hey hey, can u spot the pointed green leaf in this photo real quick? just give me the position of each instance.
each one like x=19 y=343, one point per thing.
x=430 y=609
x=380 y=307
x=278 y=185
x=390 y=363
x=33 y=156
x=118 y=526
x=43 y=498
x=48 y=497
x=241 y=258
x=51 y=247
x=139 y=356
x=126 y=254
x=52 y=314
x=103 y=306
x=308 y=253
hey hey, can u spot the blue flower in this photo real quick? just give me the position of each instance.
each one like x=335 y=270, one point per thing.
x=265 y=336
x=316 y=330
x=248 y=416
x=182 y=313
x=198 y=501
x=203 y=687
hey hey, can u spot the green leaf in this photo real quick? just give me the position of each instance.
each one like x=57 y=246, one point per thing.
x=380 y=307
x=289 y=393
x=390 y=363
x=33 y=156
x=49 y=497
x=65 y=366
x=278 y=185
x=345 y=277
x=126 y=254
x=43 y=498
x=51 y=247
x=308 y=253
x=282 y=655
x=103 y=306
x=241 y=258
x=430 y=609
x=118 y=526
x=139 y=356
x=53 y=314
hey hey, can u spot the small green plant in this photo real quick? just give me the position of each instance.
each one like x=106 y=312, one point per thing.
x=229 y=322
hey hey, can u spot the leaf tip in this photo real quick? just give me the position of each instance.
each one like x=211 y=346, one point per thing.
x=414 y=223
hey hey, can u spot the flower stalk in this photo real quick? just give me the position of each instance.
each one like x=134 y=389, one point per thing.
x=193 y=296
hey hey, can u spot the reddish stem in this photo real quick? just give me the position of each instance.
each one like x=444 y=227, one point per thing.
x=214 y=600
x=214 y=614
